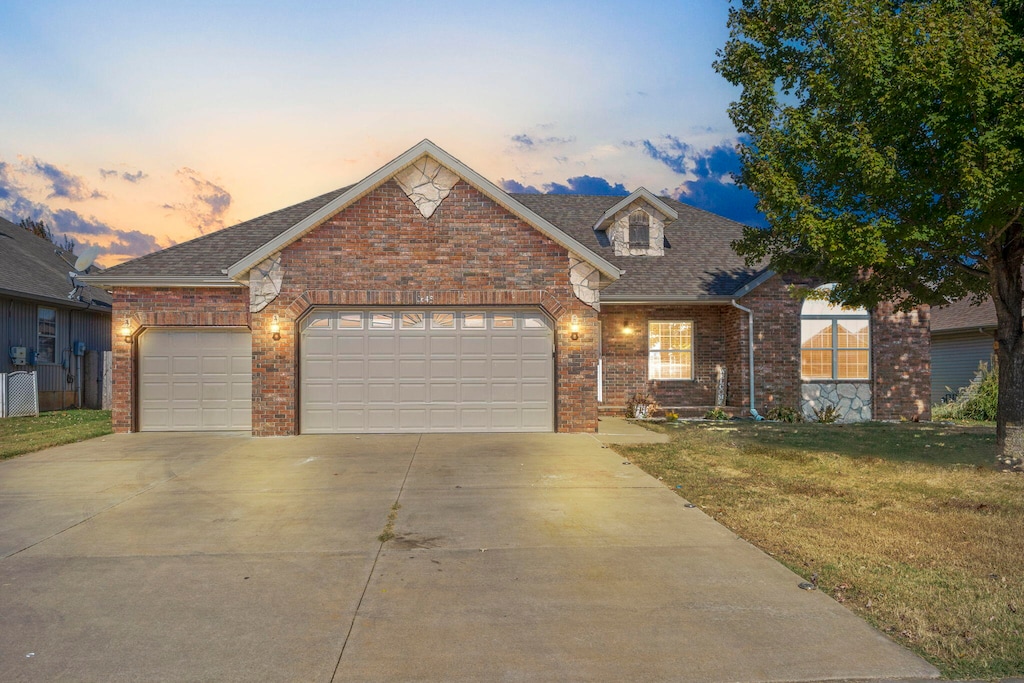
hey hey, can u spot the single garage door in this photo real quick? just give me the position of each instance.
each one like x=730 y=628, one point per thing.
x=195 y=380
x=427 y=371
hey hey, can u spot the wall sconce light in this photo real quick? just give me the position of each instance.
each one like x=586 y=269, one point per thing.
x=627 y=328
x=126 y=330
x=574 y=328
x=275 y=327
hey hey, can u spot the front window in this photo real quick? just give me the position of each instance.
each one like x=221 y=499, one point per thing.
x=835 y=342
x=46 y=340
x=670 y=349
x=639 y=229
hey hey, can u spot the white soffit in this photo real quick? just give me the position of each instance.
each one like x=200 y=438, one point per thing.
x=639 y=193
x=386 y=172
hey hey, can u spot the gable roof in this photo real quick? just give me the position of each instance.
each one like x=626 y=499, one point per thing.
x=639 y=193
x=33 y=268
x=699 y=263
x=224 y=257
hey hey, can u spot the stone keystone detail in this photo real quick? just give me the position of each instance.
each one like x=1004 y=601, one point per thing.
x=584 y=278
x=265 y=283
x=427 y=183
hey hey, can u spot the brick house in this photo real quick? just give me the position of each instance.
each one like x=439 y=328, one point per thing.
x=425 y=298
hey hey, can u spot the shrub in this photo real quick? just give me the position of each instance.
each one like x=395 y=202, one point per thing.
x=784 y=414
x=826 y=414
x=716 y=414
x=977 y=401
x=671 y=416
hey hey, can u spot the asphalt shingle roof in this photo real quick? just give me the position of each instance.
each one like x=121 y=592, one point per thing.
x=31 y=267
x=961 y=315
x=209 y=255
x=699 y=260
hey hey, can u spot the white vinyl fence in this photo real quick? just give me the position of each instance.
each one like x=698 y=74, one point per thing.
x=19 y=394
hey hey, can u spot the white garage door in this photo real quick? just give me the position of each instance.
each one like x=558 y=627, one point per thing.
x=427 y=371
x=195 y=380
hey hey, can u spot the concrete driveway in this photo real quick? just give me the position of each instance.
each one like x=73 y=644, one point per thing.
x=163 y=557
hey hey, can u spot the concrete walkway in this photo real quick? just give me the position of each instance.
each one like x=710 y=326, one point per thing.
x=515 y=558
x=620 y=430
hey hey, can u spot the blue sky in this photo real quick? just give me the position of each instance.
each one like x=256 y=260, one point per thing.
x=138 y=125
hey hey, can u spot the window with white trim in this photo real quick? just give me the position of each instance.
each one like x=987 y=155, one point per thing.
x=835 y=341
x=670 y=349
x=46 y=336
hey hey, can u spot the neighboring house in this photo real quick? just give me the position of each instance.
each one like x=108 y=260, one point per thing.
x=424 y=298
x=46 y=328
x=963 y=337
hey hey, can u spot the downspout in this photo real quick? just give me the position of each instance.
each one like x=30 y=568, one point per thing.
x=750 y=346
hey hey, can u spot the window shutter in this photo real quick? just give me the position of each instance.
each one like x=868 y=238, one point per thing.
x=639 y=229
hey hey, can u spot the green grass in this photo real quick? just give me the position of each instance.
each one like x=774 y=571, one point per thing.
x=909 y=525
x=19 y=435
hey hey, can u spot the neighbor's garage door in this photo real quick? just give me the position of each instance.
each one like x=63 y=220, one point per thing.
x=427 y=371
x=195 y=380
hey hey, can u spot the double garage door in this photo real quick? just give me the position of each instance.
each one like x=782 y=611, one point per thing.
x=364 y=371
x=427 y=371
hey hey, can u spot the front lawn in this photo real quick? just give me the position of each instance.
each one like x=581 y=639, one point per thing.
x=909 y=525
x=20 y=435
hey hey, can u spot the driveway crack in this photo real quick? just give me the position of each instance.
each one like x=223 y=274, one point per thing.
x=373 y=568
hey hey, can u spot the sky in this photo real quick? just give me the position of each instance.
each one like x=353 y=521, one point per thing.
x=136 y=125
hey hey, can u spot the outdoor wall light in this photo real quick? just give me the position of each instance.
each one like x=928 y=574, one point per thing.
x=627 y=328
x=126 y=330
x=275 y=327
x=574 y=328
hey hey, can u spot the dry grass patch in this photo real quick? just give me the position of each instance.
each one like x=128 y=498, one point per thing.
x=19 y=435
x=908 y=525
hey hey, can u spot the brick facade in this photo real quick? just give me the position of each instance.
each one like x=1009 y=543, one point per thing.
x=380 y=251
x=163 y=307
x=899 y=357
x=625 y=355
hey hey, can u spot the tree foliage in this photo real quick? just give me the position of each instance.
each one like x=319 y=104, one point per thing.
x=885 y=142
x=41 y=229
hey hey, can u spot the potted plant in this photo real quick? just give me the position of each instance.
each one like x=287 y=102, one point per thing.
x=641 y=406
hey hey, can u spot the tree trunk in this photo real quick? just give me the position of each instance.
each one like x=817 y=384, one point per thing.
x=1005 y=268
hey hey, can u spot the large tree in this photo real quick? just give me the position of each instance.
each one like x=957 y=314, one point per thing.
x=885 y=142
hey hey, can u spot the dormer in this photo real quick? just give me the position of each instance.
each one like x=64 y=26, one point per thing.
x=636 y=225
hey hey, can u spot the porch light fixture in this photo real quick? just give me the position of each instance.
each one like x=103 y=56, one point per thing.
x=627 y=328
x=126 y=330
x=574 y=328
x=275 y=327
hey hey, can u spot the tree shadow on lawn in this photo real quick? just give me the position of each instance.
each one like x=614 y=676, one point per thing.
x=933 y=443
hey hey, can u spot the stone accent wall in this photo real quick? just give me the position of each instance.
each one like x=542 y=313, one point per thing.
x=901 y=360
x=852 y=400
x=381 y=251
x=164 y=307
x=264 y=283
x=585 y=279
x=625 y=355
x=618 y=232
x=427 y=183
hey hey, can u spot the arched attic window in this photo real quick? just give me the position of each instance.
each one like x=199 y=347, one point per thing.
x=835 y=341
x=639 y=229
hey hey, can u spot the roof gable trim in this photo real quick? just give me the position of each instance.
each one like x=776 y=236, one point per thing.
x=387 y=172
x=638 y=194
